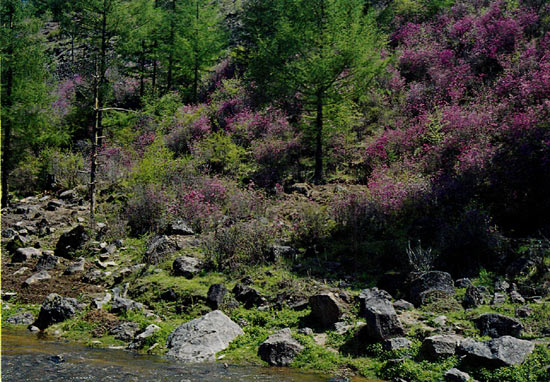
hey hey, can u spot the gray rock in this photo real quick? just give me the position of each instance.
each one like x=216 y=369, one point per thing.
x=140 y=339
x=403 y=305
x=77 y=266
x=299 y=305
x=427 y=284
x=71 y=241
x=371 y=293
x=382 y=320
x=25 y=318
x=463 y=283
x=199 y=340
x=524 y=311
x=306 y=331
x=23 y=255
x=501 y=286
x=120 y=305
x=280 y=348
x=46 y=262
x=497 y=325
x=159 y=248
x=326 y=309
x=54 y=205
x=69 y=195
x=503 y=351
x=8 y=233
x=179 y=227
x=499 y=299
x=438 y=346
x=40 y=276
x=474 y=297
x=21 y=271
x=186 y=266
x=56 y=309
x=396 y=343
x=125 y=331
x=215 y=296
x=250 y=297
x=282 y=252
x=455 y=375
x=516 y=298
x=99 y=303
x=342 y=327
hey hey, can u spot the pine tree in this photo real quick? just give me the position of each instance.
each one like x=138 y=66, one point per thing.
x=25 y=97
x=322 y=52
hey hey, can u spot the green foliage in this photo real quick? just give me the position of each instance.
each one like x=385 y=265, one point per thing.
x=219 y=154
x=535 y=369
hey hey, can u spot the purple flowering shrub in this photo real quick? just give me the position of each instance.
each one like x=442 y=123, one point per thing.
x=190 y=124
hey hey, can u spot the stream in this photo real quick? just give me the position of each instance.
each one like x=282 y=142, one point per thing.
x=26 y=357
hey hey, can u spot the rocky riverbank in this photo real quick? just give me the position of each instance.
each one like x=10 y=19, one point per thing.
x=157 y=294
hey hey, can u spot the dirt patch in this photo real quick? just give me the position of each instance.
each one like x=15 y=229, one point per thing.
x=104 y=321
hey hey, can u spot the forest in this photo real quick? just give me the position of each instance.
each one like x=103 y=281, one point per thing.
x=322 y=146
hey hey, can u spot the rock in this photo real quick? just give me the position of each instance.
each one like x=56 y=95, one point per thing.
x=215 y=296
x=17 y=242
x=22 y=255
x=280 y=348
x=69 y=195
x=403 y=305
x=77 y=266
x=371 y=293
x=497 y=325
x=250 y=297
x=158 y=249
x=179 y=227
x=107 y=250
x=301 y=188
x=54 y=205
x=186 y=266
x=432 y=283
x=455 y=375
x=473 y=297
x=25 y=318
x=120 y=305
x=524 y=311
x=382 y=320
x=46 y=262
x=499 y=299
x=463 y=283
x=98 y=303
x=438 y=346
x=281 y=252
x=326 y=309
x=396 y=343
x=503 y=351
x=440 y=321
x=139 y=340
x=516 y=298
x=93 y=276
x=199 y=340
x=501 y=286
x=71 y=241
x=8 y=233
x=169 y=295
x=125 y=331
x=342 y=327
x=40 y=276
x=59 y=358
x=56 y=309
x=7 y=296
x=306 y=331
x=21 y=271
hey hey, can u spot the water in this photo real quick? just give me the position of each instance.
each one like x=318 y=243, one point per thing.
x=25 y=357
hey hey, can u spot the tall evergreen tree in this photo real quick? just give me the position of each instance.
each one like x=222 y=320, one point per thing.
x=319 y=51
x=25 y=97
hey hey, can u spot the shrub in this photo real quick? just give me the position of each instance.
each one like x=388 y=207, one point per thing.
x=146 y=209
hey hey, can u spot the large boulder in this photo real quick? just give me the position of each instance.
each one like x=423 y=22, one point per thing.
x=382 y=320
x=40 y=276
x=503 y=351
x=474 y=297
x=125 y=331
x=22 y=255
x=77 y=266
x=497 y=325
x=179 y=227
x=199 y=340
x=425 y=285
x=71 y=241
x=455 y=375
x=326 y=309
x=438 y=346
x=396 y=343
x=56 y=309
x=215 y=296
x=186 y=266
x=280 y=348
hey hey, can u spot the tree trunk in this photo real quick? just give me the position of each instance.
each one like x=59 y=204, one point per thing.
x=318 y=177
x=142 y=70
x=6 y=150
